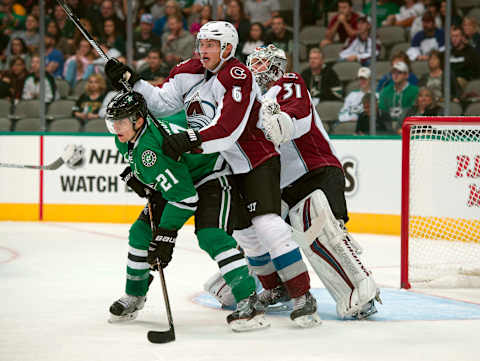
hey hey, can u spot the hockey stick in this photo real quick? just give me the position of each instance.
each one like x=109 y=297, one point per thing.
x=72 y=154
x=161 y=336
x=105 y=57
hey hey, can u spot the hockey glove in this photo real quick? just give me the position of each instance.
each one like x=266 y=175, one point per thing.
x=176 y=144
x=141 y=189
x=161 y=247
x=116 y=71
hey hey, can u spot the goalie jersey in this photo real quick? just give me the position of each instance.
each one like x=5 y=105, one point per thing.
x=223 y=107
x=311 y=147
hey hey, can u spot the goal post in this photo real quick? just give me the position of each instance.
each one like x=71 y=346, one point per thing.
x=440 y=220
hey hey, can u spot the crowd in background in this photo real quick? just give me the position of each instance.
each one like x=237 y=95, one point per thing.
x=164 y=35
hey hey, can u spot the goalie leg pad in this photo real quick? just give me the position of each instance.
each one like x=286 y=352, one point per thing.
x=331 y=254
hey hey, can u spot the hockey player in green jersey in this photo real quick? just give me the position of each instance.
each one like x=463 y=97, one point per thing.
x=170 y=189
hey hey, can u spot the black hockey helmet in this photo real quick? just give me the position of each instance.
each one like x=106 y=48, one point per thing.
x=130 y=105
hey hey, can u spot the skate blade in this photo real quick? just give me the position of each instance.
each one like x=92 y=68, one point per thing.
x=124 y=318
x=367 y=313
x=308 y=321
x=279 y=307
x=256 y=323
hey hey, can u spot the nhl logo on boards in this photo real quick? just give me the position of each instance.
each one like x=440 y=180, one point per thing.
x=149 y=158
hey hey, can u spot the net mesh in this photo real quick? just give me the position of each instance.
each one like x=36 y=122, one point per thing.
x=444 y=205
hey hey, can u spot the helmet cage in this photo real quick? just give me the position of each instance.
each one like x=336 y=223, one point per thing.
x=267 y=63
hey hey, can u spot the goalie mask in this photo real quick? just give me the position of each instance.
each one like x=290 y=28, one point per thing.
x=125 y=107
x=268 y=64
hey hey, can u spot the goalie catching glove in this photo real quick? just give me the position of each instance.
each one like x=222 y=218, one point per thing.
x=161 y=247
x=277 y=125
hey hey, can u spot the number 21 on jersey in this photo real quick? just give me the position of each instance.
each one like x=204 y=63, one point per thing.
x=166 y=180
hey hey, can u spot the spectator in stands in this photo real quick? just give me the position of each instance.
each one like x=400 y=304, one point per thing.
x=158 y=9
x=79 y=66
x=353 y=105
x=177 y=44
x=470 y=28
x=191 y=8
x=360 y=48
x=54 y=57
x=113 y=37
x=262 y=11
x=407 y=14
x=426 y=40
x=236 y=16
x=157 y=70
x=344 y=24
x=12 y=80
x=387 y=79
x=67 y=28
x=107 y=12
x=30 y=35
x=455 y=18
x=322 y=81
x=31 y=86
x=61 y=43
x=88 y=26
x=397 y=98
x=171 y=8
x=464 y=59
x=383 y=123
x=432 y=6
x=12 y=16
x=384 y=9
x=88 y=104
x=435 y=78
x=93 y=15
x=425 y=105
x=205 y=17
x=255 y=39
x=19 y=48
x=145 y=40
x=280 y=36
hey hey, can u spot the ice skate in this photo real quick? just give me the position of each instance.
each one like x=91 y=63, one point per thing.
x=304 y=312
x=247 y=317
x=274 y=300
x=126 y=308
x=368 y=309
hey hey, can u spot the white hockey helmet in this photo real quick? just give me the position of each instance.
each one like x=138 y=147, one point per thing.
x=222 y=31
x=267 y=63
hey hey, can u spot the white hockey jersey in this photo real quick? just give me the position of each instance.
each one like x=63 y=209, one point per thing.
x=223 y=107
x=311 y=147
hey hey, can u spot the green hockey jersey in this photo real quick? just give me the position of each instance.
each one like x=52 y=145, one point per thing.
x=163 y=174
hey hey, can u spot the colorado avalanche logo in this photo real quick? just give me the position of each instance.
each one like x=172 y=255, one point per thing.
x=199 y=113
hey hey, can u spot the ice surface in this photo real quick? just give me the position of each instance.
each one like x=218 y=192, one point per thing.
x=57 y=281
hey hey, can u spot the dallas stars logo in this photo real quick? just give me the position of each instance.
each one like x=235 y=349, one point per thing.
x=149 y=158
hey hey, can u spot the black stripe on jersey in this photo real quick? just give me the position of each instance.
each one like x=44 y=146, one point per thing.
x=222 y=168
x=134 y=258
x=231 y=259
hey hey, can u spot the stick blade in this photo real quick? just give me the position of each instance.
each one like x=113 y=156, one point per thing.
x=161 y=336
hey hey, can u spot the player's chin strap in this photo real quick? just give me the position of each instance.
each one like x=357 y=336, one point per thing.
x=333 y=257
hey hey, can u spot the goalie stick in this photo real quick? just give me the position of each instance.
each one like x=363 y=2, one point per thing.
x=161 y=336
x=72 y=155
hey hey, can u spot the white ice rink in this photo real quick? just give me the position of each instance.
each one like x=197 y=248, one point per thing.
x=57 y=281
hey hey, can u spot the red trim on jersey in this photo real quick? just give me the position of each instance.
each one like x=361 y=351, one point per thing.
x=314 y=149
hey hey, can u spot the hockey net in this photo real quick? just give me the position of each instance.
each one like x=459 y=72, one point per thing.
x=441 y=202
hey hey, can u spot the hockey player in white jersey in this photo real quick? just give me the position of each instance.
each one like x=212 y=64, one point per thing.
x=313 y=185
x=221 y=101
